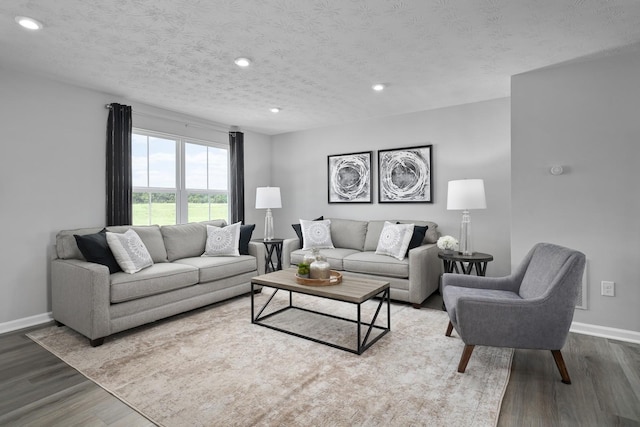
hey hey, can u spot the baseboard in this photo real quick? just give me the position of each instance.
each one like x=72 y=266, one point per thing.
x=605 y=332
x=25 y=322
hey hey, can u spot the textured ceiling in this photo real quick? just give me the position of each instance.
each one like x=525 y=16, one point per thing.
x=316 y=59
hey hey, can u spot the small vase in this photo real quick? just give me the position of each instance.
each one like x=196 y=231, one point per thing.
x=320 y=268
x=311 y=257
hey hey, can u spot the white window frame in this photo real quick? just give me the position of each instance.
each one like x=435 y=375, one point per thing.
x=182 y=193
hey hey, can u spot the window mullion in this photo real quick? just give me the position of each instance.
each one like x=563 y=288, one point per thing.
x=181 y=196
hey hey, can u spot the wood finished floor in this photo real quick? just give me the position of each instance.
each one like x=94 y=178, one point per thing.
x=38 y=389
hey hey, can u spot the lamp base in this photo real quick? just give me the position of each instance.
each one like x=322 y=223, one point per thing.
x=465 y=246
x=268 y=225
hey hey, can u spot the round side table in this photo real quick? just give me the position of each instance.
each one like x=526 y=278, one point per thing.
x=273 y=245
x=456 y=262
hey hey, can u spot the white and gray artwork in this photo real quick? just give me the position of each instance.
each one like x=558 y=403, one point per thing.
x=350 y=178
x=405 y=175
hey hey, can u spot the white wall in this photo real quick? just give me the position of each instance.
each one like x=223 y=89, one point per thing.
x=583 y=116
x=469 y=141
x=52 y=177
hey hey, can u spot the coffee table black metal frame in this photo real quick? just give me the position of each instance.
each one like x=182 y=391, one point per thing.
x=363 y=343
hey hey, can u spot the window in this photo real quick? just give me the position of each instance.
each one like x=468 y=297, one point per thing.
x=177 y=180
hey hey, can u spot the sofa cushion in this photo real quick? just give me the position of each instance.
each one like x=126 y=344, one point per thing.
x=215 y=268
x=348 y=234
x=94 y=248
x=187 y=240
x=150 y=236
x=372 y=263
x=156 y=279
x=128 y=249
x=67 y=247
x=394 y=240
x=334 y=256
x=375 y=228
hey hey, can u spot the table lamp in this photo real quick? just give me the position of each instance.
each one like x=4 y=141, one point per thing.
x=466 y=194
x=268 y=198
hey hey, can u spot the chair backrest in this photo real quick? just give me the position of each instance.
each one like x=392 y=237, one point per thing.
x=553 y=271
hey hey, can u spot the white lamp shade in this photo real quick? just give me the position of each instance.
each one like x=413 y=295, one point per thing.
x=268 y=198
x=466 y=194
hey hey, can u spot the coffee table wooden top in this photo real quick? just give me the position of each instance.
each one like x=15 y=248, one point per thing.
x=352 y=289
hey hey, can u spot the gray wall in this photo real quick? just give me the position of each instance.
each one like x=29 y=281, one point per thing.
x=52 y=177
x=469 y=141
x=585 y=117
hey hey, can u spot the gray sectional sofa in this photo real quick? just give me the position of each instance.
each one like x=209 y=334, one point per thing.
x=412 y=279
x=95 y=303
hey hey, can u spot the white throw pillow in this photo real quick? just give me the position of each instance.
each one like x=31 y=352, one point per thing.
x=394 y=239
x=316 y=234
x=129 y=251
x=222 y=241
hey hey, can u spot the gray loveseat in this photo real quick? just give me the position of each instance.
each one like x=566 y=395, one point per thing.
x=411 y=280
x=95 y=303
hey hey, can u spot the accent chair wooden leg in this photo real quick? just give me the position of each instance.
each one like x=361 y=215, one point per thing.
x=464 y=359
x=557 y=356
x=449 y=329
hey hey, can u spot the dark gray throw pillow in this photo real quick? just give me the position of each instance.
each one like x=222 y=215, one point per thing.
x=245 y=236
x=417 y=237
x=298 y=229
x=94 y=248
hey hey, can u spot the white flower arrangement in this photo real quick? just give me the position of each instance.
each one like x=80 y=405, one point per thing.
x=447 y=242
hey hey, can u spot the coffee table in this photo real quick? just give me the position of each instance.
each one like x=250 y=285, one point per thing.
x=352 y=290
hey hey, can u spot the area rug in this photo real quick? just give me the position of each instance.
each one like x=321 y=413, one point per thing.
x=214 y=367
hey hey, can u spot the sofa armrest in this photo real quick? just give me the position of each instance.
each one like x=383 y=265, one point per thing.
x=258 y=250
x=425 y=269
x=288 y=246
x=80 y=296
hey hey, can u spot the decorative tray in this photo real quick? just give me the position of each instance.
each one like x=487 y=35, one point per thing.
x=335 y=279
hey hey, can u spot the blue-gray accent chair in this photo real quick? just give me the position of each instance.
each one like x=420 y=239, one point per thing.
x=532 y=308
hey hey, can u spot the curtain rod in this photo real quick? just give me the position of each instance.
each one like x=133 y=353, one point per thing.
x=207 y=127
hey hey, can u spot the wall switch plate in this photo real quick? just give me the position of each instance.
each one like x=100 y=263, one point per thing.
x=608 y=288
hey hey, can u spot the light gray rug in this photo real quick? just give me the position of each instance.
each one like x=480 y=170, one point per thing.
x=213 y=367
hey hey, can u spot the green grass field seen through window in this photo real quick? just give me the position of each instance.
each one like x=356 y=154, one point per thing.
x=165 y=213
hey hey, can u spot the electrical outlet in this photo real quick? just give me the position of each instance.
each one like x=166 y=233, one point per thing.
x=608 y=288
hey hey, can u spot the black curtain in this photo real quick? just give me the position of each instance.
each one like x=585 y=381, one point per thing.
x=236 y=189
x=119 y=182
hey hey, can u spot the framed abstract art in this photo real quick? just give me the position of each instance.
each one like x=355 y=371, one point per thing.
x=404 y=175
x=349 y=177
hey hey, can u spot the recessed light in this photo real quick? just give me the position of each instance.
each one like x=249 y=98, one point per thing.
x=242 y=62
x=378 y=87
x=29 y=23
x=275 y=109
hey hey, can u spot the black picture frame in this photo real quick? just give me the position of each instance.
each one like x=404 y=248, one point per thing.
x=405 y=175
x=349 y=178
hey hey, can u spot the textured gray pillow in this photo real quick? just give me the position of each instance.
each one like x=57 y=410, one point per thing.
x=128 y=249
x=348 y=233
x=223 y=241
x=394 y=240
